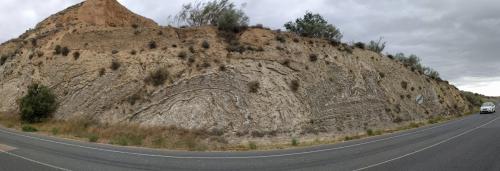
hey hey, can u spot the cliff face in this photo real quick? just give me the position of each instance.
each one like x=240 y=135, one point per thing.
x=291 y=87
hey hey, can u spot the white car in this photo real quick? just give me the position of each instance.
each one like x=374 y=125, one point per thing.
x=488 y=107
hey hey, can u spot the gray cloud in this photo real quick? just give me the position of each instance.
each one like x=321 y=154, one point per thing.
x=459 y=38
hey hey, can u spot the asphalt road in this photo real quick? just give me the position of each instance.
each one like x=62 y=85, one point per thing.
x=469 y=143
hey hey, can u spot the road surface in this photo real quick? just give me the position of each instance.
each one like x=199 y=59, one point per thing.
x=469 y=143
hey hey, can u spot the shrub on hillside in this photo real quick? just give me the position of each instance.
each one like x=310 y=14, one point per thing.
x=253 y=86
x=360 y=45
x=76 y=55
x=205 y=44
x=313 y=57
x=152 y=45
x=57 y=50
x=39 y=103
x=220 y=13
x=3 y=59
x=376 y=46
x=314 y=25
x=65 y=51
x=158 y=77
x=294 y=85
x=115 y=65
x=280 y=38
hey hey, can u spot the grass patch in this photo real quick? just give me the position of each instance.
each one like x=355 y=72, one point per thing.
x=29 y=128
x=158 y=77
x=295 y=142
x=253 y=86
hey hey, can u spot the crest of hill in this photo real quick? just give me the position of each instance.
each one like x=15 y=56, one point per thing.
x=101 y=13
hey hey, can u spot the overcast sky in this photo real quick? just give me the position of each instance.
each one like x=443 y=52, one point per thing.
x=458 y=38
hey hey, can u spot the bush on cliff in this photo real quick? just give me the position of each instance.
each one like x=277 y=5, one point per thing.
x=38 y=104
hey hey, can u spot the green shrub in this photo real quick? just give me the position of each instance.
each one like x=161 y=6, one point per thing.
x=54 y=131
x=93 y=138
x=39 y=103
x=314 y=25
x=232 y=20
x=205 y=44
x=295 y=142
x=220 y=13
x=377 y=47
x=253 y=86
x=158 y=77
x=252 y=145
x=369 y=132
x=29 y=128
x=57 y=50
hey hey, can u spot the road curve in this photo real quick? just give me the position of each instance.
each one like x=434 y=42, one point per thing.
x=469 y=143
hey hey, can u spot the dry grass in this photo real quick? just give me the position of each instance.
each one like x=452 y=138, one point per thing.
x=126 y=135
x=176 y=138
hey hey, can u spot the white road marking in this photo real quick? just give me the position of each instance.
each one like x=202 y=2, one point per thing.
x=34 y=161
x=6 y=148
x=228 y=157
x=433 y=145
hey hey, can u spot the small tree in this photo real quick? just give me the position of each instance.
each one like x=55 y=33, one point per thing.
x=221 y=13
x=314 y=25
x=377 y=46
x=38 y=104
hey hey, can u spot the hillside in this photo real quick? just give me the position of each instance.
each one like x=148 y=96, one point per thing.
x=115 y=60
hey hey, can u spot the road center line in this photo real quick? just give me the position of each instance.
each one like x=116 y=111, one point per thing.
x=228 y=157
x=425 y=148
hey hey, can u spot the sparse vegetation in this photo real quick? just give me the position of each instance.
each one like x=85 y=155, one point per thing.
x=376 y=46
x=29 y=128
x=152 y=45
x=65 y=51
x=281 y=38
x=294 y=85
x=295 y=142
x=115 y=65
x=158 y=77
x=220 y=13
x=413 y=62
x=360 y=45
x=182 y=55
x=404 y=85
x=133 y=52
x=3 y=59
x=93 y=138
x=205 y=45
x=314 y=25
x=57 y=50
x=252 y=145
x=76 y=55
x=253 y=86
x=114 y=52
x=313 y=57
x=38 y=104
x=102 y=71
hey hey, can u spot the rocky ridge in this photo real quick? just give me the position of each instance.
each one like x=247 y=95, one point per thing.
x=263 y=87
